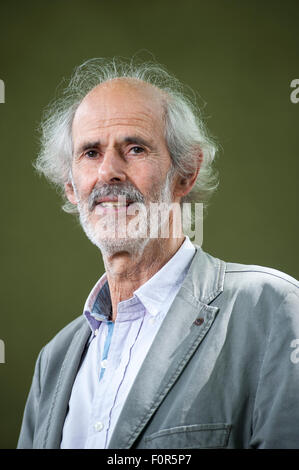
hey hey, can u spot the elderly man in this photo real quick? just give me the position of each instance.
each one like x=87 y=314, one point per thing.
x=175 y=348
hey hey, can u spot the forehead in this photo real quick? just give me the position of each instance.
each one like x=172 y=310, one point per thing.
x=120 y=103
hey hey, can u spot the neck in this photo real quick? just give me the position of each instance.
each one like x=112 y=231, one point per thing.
x=126 y=272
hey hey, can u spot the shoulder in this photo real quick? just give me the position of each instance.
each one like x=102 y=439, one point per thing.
x=262 y=292
x=260 y=279
x=60 y=343
x=69 y=330
x=243 y=284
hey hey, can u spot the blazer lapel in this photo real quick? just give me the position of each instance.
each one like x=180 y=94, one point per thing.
x=182 y=330
x=59 y=405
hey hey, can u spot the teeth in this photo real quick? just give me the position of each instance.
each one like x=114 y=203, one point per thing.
x=113 y=204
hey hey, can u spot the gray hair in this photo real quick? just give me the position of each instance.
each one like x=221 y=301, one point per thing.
x=185 y=132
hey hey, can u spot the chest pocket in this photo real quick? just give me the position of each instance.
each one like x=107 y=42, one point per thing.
x=195 y=436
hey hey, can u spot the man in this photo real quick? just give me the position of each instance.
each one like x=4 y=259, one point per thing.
x=175 y=348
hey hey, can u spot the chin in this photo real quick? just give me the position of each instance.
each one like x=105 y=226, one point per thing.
x=109 y=244
x=133 y=247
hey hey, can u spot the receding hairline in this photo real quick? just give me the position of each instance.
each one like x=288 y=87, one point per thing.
x=161 y=95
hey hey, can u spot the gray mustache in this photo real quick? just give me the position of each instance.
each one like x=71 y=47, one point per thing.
x=108 y=190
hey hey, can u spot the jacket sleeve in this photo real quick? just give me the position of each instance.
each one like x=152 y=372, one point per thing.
x=31 y=409
x=275 y=422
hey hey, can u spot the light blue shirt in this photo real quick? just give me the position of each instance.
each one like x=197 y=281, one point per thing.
x=116 y=351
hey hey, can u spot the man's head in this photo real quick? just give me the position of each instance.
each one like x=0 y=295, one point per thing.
x=119 y=149
x=125 y=130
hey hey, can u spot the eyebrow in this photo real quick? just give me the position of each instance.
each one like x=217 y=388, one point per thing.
x=86 y=146
x=137 y=140
x=129 y=140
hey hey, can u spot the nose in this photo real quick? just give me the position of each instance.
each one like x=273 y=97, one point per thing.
x=111 y=169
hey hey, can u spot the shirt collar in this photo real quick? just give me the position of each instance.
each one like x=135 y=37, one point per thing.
x=98 y=307
x=155 y=292
x=152 y=294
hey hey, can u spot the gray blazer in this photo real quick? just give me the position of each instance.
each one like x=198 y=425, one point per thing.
x=222 y=372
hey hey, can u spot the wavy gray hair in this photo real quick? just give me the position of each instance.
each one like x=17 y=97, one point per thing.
x=185 y=132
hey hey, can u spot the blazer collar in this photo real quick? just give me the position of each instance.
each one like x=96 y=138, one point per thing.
x=205 y=278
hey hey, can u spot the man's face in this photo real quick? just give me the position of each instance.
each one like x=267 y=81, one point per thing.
x=119 y=148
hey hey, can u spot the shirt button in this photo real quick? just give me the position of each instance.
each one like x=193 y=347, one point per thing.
x=104 y=363
x=152 y=320
x=96 y=332
x=98 y=426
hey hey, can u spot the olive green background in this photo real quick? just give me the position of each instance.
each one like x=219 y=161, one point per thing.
x=239 y=56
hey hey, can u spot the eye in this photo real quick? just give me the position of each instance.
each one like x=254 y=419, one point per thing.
x=136 y=149
x=91 y=154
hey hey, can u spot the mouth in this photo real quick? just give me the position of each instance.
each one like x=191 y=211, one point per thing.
x=107 y=204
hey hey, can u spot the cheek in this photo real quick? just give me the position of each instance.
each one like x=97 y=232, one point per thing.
x=148 y=175
x=84 y=182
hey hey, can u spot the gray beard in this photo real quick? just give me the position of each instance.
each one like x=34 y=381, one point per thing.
x=109 y=246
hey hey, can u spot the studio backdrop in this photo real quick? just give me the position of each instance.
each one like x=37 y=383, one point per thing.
x=241 y=60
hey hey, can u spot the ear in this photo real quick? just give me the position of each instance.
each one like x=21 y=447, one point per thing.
x=70 y=193
x=184 y=184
